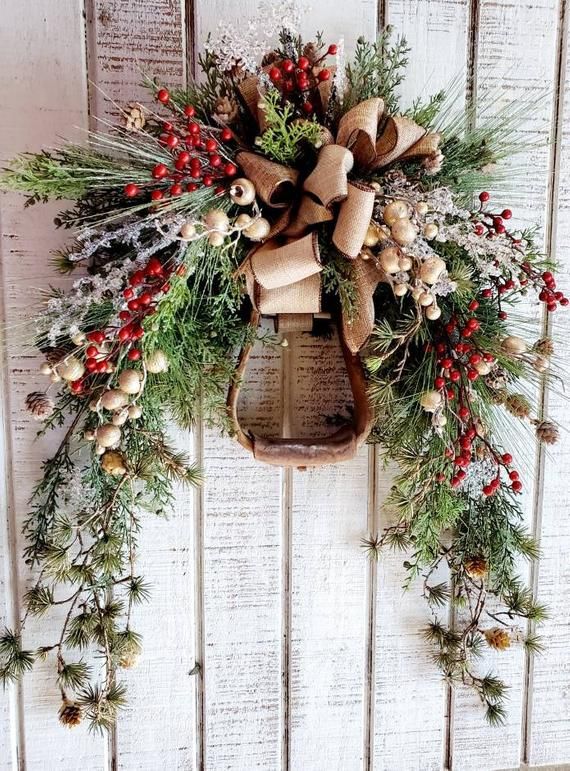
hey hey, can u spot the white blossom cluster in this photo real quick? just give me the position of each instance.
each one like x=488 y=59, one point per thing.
x=244 y=45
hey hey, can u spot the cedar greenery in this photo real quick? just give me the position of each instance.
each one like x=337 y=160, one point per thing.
x=84 y=519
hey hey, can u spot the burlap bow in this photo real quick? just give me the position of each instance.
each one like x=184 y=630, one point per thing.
x=282 y=274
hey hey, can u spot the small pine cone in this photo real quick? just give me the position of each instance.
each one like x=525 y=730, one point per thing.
x=134 y=118
x=547 y=432
x=70 y=713
x=498 y=638
x=270 y=58
x=544 y=347
x=496 y=379
x=432 y=163
x=518 y=405
x=39 y=405
x=54 y=355
x=476 y=567
x=311 y=52
x=226 y=110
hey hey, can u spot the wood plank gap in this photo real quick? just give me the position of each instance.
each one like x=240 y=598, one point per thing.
x=12 y=599
x=550 y=249
x=449 y=727
x=200 y=627
x=190 y=47
x=472 y=61
x=373 y=525
x=286 y=554
x=381 y=16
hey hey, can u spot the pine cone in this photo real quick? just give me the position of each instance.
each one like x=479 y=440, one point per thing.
x=498 y=638
x=134 y=118
x=226 y=110
x=496 y=379
x=432 y=163
x=311 y=52
x=544 y=347
x=518 y=405
x=113 y=463
x=54 y=355
x=270 y=58
x=476 y=567
x=70 y=713
x=547 y=432
x=40 y=405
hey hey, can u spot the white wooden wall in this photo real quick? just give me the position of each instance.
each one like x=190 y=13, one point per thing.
x=310 y=657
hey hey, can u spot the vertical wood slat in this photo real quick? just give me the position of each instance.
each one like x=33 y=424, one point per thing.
x=546 y=730
x=413 y=720
x=506 y=32
x=159 y=726
x=43 y=97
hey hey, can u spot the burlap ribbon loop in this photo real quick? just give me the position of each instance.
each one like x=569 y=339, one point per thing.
x=282 y=275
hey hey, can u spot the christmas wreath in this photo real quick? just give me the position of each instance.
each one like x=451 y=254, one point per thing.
x=294 y=187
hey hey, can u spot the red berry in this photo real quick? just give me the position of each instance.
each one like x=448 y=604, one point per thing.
x=303 y=63
x=167 y=126
x=157 y=195
x=475 y=358
x=488 y=490
x=102 y=366
x=324 y=75
x=208 y=180
x=136 y=278
x=145 y=298
x=455 y=376
x=131 y=190
x=137 y=333
x=461 y=474
x=448 y=452
x=439 y=477
x=487 y=293
x=172 y=141
x=124 y=316
x=439 y=382
x=215 y=160
x=91 y=365
x=548 y=277
x=479 y=229
x=230 y=169
x=191 y=187
x=160 y=171
x=154 y=267
x=194 y=128
x=332 y=49
x=459 y=460
x=502 y=315
x=472 y=324
x=133 y=305
x=210 y=145
x=484 y=196
x=128 y=294
x=473 y=305
x=275 y=74
x=163 y=96
x=96 y=337
x=507 y=458
x=196 y=173
x=134 y=354
x=176 y=189
x=564 y=302
x=446 y=363
x=455 y=481
x=472 y=374
x=189 y=111
x=77 y=386
x=307 y=108
x=450 y=394
x=91 y=351
x=488 y=357
x=463 y=413
x=465 y=443
x=514 y=475
x=226 y=135
x=124 y=334
x=517 y=486
x=287 y=66
x=506 y=214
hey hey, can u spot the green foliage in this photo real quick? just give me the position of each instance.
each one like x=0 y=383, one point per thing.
x=378 y=69
x=285 y=139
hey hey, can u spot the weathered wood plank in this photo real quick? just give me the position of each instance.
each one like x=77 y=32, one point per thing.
x=505 y=72
x=409 y=689
x=548 y=738
x=44 y=96
x=126 y=40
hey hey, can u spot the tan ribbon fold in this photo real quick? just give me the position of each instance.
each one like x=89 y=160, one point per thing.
x=282 y=274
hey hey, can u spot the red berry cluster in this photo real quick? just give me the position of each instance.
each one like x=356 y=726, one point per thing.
x=105 y=346
x=196 y=156
x=298 y=79
x=490 y=225
x=457 y=359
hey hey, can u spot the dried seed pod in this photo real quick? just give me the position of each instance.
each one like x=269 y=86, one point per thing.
x=113 y=463
x=108 y=435
x=431 y=400
x=114 y=399
x=71 y=369
x=156 y=362
x=431 y=270
x=130 y=381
